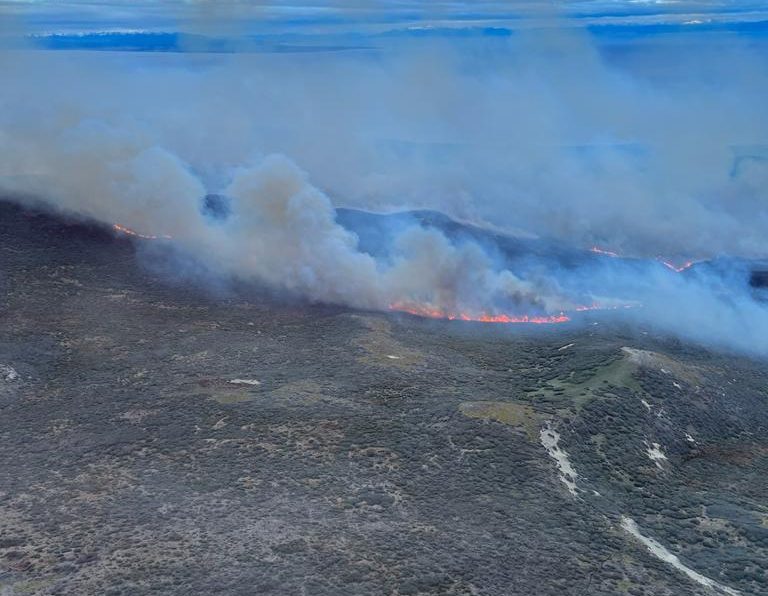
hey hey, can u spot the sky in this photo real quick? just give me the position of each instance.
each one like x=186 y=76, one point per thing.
x=48 y=16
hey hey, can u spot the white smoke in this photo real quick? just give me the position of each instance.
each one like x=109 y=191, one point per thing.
x=541 y=132
x=108 y=174
x=283 y=232
x=431 y=270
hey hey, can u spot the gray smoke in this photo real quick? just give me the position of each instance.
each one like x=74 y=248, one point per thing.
x=657 y=149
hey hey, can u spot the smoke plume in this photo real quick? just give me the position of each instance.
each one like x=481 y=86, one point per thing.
x=649 y=147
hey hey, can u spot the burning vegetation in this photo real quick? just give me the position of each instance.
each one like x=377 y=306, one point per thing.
x=664 y=261
x=129 y=232
x=431 y=312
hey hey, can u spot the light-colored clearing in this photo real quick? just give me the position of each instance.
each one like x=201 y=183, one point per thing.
x=8 y=373
x=252 y=382
x=655 y=454
x=661 y=553
x=507 y=413
x=664 y=364
x=550 y=439
x=618 y=372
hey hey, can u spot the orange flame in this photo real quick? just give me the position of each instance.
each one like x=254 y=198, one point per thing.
x=603 y=251
x=668 y=264
x=431 y=312
x=677 y=268
x=129 y=232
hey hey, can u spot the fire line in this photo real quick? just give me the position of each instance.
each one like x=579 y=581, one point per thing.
x=129 y=232
x=437 y=313
x=668 y=264
x=430 y=312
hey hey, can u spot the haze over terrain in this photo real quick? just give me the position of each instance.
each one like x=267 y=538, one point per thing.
x=636 y=128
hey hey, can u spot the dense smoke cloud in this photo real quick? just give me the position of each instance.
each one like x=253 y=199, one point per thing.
x=649 y=148
x=538 y=132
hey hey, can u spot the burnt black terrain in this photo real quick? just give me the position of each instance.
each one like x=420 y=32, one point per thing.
x=158 y=439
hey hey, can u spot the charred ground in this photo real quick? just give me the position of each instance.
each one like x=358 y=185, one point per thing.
x=378 y=454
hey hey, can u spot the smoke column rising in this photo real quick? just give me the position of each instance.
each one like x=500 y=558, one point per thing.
x=652 y=148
